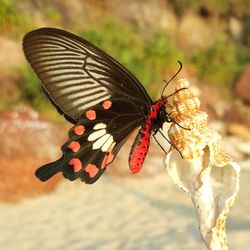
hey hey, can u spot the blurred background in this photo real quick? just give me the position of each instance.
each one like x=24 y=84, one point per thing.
x=121 y=211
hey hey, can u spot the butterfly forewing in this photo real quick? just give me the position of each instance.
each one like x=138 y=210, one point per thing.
x=76 y=74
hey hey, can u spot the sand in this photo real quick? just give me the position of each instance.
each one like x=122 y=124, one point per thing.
x=117 y=213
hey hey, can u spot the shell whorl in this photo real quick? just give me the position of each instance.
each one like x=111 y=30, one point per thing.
x=192 y=141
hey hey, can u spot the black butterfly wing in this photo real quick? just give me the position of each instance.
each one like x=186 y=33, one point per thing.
x=94 y=143
x=76 y=74
x=94 y=92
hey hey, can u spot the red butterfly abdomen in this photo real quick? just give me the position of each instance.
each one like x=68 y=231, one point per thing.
x=140 y=146
x=139 y=149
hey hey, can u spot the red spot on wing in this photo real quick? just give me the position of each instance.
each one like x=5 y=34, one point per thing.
x=104 y=161
x=79 y=130
x=77 y=164
x=91 y=114
x=110 y=158
x=74 y=146
x=107 y=104
x=92 y=170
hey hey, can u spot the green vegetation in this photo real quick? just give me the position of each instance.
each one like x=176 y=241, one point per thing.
x=149 y=58
x=12 y=20
x=32 y=92
x=8 y=14
x=246 y=32
x=218 y=63
x=51 y=13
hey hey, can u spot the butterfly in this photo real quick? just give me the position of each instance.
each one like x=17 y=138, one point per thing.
x=101 y=98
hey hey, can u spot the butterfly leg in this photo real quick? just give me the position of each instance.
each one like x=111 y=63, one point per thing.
x=168 y=142
x=159 y=144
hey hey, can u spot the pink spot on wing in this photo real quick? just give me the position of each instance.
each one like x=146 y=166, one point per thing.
x=92 y=170
x=79 y=130
x=108 y=158
x=74 y=146
x=107 y=104
x=104 y=161
x=91 y=114
x=77 y=164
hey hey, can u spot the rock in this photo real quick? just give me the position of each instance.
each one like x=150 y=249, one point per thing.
x=24 y=133
x=235 y=28
x=244 y=147
x=213 y=103
x=236 y=116
x=237 y=148
x=218 y=126
x=193 y=41
x=245 y=165
x=229 y=145
x=11 y=54
x=242 y=87
x=239 y=9
x=27 y=142
x=239 y=131
x=147 y=16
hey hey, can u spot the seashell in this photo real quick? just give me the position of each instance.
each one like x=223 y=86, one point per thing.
x=204 y=171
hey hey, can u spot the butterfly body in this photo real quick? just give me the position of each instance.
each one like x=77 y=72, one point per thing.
x=153 y=123
x=103 y=100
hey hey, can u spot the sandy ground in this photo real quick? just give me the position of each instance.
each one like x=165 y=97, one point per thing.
x=117 y=213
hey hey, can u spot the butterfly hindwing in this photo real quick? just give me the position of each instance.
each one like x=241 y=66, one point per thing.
x=95 y=140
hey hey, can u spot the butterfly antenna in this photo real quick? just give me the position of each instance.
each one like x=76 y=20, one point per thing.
x=164 y=98
x=167 y=82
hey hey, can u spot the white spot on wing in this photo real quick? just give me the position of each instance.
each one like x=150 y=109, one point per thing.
x=107 y=144
x=96 y=135
x=100 y=126
x=101 y=141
